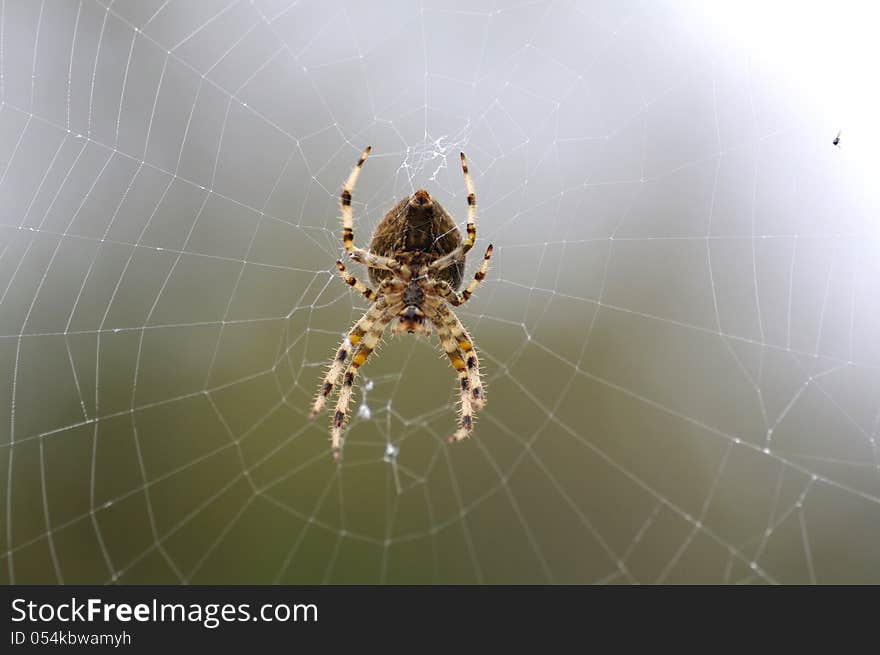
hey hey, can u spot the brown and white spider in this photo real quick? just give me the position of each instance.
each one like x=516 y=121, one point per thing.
x=416 y=260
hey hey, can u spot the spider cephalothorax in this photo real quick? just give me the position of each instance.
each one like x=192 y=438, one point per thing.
x=416 y=260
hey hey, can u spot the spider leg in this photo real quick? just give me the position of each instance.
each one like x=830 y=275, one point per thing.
x=369 y=343
x=359 y=286
x=345 y=197
x=364 y=324
x=445 y=291
x=472 y=206
x=467 y=244
x=472 y=362
x=358 y=254
x=460 y=351
x=479 y=276
x=457 y=359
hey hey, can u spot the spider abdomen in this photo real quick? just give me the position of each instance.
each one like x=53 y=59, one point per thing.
x=418 y=227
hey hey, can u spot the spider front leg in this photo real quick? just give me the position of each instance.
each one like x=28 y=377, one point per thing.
x=369 y=343
x=448 y=293
x=472 y=206
x=468 y=243
x=358 y=254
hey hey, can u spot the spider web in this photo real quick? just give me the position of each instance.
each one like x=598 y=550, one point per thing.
x=679 y=329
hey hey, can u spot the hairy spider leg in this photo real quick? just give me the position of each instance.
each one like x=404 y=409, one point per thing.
x=460 y=334
x=458 y=359
x=352 y=339
x=369 y=343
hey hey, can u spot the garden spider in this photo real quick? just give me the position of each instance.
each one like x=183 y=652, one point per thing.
x=416 y=260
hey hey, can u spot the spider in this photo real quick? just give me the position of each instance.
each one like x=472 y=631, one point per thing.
x=415 y=261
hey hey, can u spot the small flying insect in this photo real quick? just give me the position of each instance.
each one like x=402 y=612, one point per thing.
x=836 y=141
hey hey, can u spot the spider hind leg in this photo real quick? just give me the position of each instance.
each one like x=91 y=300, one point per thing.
x=469 y=354
x=368 y=345
x=351 y=341
x=462 y=355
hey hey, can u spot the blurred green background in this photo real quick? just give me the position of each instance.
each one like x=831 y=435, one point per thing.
x=678 y=331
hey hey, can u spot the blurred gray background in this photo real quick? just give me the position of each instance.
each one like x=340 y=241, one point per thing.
x=678 y=332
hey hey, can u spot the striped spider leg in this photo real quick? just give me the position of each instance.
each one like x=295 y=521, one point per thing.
x=358 y=254
x=458 y=360
x=370 y=341
x=465 y=246
x=350 y=341
x=459 y=348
